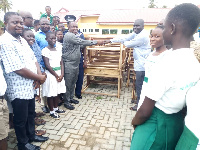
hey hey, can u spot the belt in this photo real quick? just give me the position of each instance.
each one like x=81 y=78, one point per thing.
x=2 y=97
x=56 y=68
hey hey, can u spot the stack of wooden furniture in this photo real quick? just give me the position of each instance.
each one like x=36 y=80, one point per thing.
x=104 y=61
x=130 y=71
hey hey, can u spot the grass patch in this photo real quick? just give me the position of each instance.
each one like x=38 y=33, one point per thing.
x=98 y=97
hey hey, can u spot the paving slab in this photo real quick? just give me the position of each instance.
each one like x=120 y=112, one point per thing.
x=98 y=122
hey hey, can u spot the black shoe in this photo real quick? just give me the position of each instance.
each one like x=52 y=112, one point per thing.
x=59 y=104
x=134 y=108
x=60 y=111
x=55 y=116
x=69 y=106
x=38 y=138
x=29 y=146
x=45 y=109
x=74 y=101
x=79 y=96
x=134 y=101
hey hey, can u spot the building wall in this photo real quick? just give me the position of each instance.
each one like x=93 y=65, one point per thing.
x=88 y=25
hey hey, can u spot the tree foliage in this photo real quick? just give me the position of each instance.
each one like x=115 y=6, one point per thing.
x=1 y=24
x=5 y=5
x=164 y=6
x=152 y=4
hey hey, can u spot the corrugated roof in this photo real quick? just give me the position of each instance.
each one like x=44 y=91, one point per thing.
x=149 y=15
x=77 y=13
x=118 y=16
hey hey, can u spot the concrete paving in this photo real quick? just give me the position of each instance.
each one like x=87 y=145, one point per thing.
x=96 y=123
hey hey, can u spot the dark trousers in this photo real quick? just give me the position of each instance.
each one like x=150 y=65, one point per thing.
x=79 y=82
x=23 y=120
x=70 y=81
x=139 y=82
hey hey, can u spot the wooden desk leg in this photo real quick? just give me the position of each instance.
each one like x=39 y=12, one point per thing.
x=119 y=88
x=88 y=80
x=133 y=90
x=128 y=77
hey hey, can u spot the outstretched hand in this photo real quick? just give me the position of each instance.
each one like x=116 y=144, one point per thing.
x=99 y=42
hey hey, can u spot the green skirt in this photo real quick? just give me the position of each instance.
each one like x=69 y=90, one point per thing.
x=187 y=141
x=160 y=132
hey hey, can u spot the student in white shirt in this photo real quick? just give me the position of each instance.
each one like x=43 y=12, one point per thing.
x=159 y=121
x=191 y=133
x=157 y=42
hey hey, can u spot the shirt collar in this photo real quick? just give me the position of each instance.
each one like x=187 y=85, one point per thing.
x=26 y=27
x=40 y=31
x=48 y=16
x=8 y=35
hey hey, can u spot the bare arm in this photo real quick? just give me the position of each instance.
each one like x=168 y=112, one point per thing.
x=144 y=112
x=38 y=68
x=26 y=73
x=62 y=70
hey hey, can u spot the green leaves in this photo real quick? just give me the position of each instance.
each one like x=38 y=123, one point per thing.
x=5 y=5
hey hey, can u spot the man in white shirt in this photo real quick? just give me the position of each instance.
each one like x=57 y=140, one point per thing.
x=23 y=75
x=139 y=41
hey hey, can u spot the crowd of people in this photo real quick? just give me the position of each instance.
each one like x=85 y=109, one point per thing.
x=42 y=61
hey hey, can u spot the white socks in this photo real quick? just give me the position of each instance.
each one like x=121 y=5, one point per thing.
x=54 y=110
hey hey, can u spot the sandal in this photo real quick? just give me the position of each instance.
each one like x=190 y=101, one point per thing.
x=40 y=132
x=40 y=114
x=39 y=122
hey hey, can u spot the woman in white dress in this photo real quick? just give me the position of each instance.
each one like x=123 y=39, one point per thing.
x=54 y=83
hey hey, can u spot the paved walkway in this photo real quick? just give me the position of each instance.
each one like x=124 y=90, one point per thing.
x=96 y=123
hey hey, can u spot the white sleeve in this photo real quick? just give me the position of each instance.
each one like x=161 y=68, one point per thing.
x=122 y=39
x=158 y=82
x=45 y=52
x=3 y=82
